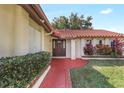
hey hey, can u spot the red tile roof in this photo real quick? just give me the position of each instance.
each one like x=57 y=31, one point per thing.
x=70 y=34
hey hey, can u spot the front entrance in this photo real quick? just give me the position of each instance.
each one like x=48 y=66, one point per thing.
x=59 y=47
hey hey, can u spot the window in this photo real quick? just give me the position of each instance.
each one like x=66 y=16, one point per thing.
x=89 y=42
x=100 y=42
x=111 y=42
x=59 y=41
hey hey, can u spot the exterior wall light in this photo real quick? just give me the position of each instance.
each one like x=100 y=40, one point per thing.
x=42 y=20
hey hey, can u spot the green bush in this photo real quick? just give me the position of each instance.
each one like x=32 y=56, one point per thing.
x=20 y=70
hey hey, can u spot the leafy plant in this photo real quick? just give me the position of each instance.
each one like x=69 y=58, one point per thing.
x=18 y=71
x=116 y=48
x=103 y=49
x=88 y=49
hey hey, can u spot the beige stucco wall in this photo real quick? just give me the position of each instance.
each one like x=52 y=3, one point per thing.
x=19 y=34
x=35 y=39
x=47 y=42
x=7 y=13
x=43 y=39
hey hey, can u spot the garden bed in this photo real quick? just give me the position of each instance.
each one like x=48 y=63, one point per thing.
x=34 y=81
x=99 y=74
x=19 y=71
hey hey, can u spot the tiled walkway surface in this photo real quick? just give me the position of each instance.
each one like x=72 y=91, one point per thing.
x=58 y=76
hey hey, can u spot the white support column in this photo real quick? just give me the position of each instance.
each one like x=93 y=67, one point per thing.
x=82 y=47
x=78 y=48
x=107 y=41
x=73 y=56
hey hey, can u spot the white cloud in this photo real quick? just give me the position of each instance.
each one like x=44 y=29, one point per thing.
x=106 y=11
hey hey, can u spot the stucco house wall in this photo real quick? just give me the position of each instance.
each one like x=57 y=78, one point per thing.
x=80 y=44
x=47 y=42
x=7 y=19
x=19 y=34
x=43 y=40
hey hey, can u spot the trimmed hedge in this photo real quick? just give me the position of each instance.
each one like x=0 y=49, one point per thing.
x=20 y=70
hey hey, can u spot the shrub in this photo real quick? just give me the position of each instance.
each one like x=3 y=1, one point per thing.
x=103 y=49
x=20 y=70
x=88 y=49
x=116 y=48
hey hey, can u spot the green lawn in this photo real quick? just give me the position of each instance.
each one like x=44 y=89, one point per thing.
x=99 y=74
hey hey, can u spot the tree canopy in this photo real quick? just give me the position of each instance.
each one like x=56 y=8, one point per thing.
x=74 y=21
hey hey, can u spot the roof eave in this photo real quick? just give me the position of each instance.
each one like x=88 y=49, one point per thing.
x=37 y=15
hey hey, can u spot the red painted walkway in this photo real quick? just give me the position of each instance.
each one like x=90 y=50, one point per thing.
x=59 y=76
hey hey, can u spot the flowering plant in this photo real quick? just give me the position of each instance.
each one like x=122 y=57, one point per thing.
x=88 y=49
x=103 y=49
x=117 y=47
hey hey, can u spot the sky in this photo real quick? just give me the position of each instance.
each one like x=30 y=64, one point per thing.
x=105 y=16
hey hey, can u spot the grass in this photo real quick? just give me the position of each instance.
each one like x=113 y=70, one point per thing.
x=99 y=74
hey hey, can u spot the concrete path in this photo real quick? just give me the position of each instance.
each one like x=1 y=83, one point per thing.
x=59 y=74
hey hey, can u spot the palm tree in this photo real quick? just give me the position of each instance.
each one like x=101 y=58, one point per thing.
x=88 y=23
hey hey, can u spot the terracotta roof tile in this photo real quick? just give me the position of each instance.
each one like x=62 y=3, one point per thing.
x=69 y=34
